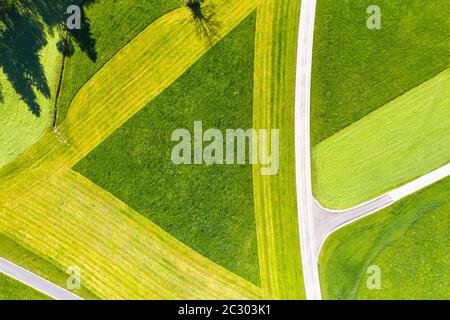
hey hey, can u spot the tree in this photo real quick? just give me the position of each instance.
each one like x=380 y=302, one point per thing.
x=204 y=17
x=24 y=27
x=5 y=5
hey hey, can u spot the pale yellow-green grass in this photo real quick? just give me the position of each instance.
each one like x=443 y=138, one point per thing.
x=19 y=127
x=391 y=146
x=136 y=75
x=275 y=196
x=121 y=254
x=12 y=251
x=121 y=88
x=35 y=192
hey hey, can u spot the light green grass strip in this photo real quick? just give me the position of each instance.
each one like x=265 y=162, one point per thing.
x=408 y=241
x=395 y=144
x=356 y=70
x=274 y=196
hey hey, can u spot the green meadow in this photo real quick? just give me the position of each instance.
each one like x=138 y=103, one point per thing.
x=19 y=127
x=393 y=145
x=112 y=25
x=209 y=208
x=357 y=70
x=407 y=241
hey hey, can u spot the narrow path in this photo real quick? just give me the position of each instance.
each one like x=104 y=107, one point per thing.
x=14 y=271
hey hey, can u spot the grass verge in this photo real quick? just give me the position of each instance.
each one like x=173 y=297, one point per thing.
x=25 y=258
x=11 y=289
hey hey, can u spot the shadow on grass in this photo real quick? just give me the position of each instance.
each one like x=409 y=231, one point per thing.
x=23 y=33
x=204 y=16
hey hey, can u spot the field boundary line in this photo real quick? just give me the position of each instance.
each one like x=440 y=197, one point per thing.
x=48 y=153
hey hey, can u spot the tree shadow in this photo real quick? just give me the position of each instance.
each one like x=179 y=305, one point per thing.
x=204 y=16
x=23 y=32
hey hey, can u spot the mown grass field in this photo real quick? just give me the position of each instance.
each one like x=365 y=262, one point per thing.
x=41 y=199
x=380 y=119
x=393 y=145
x=48 y=269
x=113 y=24
x=357 y=70
x=120 y=254
x=408 y=241
x=209 y=208
x=273 y=108
x=11 y=289
x=19 y=127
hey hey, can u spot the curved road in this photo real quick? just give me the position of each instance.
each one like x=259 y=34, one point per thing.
x=14 y=271
x=315 y=222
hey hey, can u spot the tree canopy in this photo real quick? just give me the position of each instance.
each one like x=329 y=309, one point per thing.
x=24 y=27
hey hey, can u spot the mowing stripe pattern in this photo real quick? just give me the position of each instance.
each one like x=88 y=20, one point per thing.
x=121 y=254
x=139 y=72
x=275 y=196
x=48 y=208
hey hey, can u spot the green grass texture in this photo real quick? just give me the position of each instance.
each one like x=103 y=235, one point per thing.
x=209 y=208
x=393 y=145
x=113 y=24
x=408 y=242
x=357 y=70
x=11 y=289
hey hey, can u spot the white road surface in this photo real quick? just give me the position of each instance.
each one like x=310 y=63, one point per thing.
x=302 y=149
x=315 y=222
x=14 y=271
